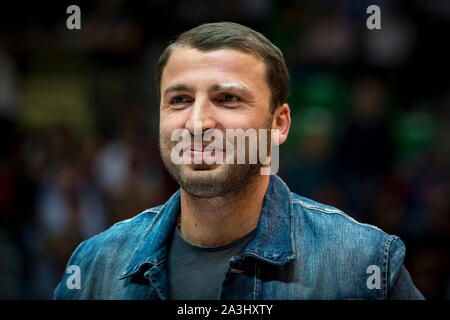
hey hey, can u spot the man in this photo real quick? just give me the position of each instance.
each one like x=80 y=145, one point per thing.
x=232 y=232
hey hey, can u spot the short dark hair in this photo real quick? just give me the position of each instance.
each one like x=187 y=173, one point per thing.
x=219 y=35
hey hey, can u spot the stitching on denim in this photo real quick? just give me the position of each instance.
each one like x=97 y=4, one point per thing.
x=156 y=289
x=151 y=226
x=387 y=245
x=335 y=211
x=147 y=232
x=316 y=207
x=291 y=215
x=151 y=210
x=268 y=260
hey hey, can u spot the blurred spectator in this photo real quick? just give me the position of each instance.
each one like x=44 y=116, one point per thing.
x=364 y=153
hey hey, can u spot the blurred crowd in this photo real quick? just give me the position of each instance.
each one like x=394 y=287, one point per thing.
x=79 y=122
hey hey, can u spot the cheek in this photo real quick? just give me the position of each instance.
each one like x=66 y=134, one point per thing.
x=170 y=122
x=237 y=119
x=246 y=122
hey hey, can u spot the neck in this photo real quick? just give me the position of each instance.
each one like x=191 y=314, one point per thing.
x=221 y=220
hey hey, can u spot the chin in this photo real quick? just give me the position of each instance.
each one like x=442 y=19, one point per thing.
x=203 y=171
x=205 y=183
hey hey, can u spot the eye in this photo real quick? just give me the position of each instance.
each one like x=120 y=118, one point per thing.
x=178 y=100
x=229 y=98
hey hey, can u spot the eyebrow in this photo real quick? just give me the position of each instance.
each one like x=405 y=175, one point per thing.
x=216 y=87
x=178 y=87
x=228 y=86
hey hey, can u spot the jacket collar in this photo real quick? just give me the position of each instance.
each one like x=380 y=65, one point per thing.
x=274 y=238
x=273 y=242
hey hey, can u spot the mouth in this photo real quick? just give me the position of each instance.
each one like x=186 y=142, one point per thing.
x=200 y=154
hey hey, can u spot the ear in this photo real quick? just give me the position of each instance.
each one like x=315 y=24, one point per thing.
x=282 y=122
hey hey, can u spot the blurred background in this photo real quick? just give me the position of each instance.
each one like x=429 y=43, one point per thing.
x=79 y=122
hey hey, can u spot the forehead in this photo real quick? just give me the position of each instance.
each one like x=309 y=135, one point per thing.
x=193 y=65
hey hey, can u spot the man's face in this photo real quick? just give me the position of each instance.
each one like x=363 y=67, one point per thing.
x=224 y=89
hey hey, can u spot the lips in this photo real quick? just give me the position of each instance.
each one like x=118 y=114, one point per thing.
x=201 y=153
x=201 y=148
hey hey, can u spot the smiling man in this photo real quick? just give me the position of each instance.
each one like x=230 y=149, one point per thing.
x=231 y=232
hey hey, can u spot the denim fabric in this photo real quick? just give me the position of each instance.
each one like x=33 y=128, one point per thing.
x=301 y=250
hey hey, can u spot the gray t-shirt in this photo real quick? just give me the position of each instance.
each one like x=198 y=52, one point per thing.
x=195 y=273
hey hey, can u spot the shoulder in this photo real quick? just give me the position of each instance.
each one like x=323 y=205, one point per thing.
x=325 y=216
x=333 y=227
x=334 y=222
x=109 y=250
x=122 y=232
x=345 y=243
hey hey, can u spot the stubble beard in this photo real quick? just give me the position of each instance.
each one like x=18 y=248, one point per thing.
x=211 y=181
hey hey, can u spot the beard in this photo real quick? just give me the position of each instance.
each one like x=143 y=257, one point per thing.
x=215 y=180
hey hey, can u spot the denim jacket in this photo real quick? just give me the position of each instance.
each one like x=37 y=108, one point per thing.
x=301 y=250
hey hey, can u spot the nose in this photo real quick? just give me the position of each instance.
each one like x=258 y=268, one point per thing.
x=201 y=116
